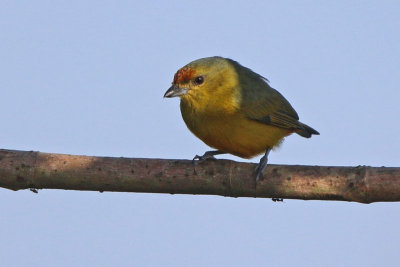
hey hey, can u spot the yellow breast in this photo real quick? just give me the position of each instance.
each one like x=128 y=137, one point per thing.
x=231 y=132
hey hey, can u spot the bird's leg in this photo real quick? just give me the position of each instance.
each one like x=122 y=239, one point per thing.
x=261 y=166
x=260 y=169
x=208 y=155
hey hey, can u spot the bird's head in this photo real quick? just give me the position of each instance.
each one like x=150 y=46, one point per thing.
x=203 y=78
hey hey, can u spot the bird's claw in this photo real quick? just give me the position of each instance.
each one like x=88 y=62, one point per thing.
x=277 y=199
x=201 y=158
x=206 y=156
x=258 y=174
x=261 y=166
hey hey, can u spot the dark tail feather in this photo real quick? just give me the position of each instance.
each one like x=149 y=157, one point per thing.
x=306 y=131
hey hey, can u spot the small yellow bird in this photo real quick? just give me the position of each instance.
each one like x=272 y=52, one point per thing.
x=233 y=109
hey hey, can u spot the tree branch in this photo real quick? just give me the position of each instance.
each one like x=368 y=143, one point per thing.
x=28 y=169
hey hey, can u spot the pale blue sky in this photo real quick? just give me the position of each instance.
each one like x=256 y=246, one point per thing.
x=87 y=77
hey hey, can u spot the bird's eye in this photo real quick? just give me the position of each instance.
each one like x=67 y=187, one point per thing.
x=199 y=80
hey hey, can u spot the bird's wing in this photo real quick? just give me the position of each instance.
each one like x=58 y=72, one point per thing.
x=264 y=104
x=272 y=110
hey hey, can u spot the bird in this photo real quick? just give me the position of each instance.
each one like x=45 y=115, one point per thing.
x=234 y=110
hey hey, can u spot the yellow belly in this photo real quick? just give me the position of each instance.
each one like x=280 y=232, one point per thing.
x=234 y=133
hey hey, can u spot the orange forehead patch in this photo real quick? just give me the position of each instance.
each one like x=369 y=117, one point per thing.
x=183 y=75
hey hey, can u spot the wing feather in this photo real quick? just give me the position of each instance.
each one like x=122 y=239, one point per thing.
x=262 y=103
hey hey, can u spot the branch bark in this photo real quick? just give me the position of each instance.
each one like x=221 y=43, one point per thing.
x=28 y=169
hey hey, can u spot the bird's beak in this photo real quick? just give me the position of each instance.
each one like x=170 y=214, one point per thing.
x=175 y=90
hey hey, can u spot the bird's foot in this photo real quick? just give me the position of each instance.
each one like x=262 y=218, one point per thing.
x=204 y=157
x=261 y=166
x=277 y=199
x=258 y=173
x=209 y=155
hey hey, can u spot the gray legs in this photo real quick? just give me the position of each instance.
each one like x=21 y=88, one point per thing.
x=261 y=166
x=209 y=155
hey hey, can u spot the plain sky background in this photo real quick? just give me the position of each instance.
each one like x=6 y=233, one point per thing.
x=87 y=77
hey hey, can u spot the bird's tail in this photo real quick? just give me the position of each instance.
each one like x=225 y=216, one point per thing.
x=306 y=131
